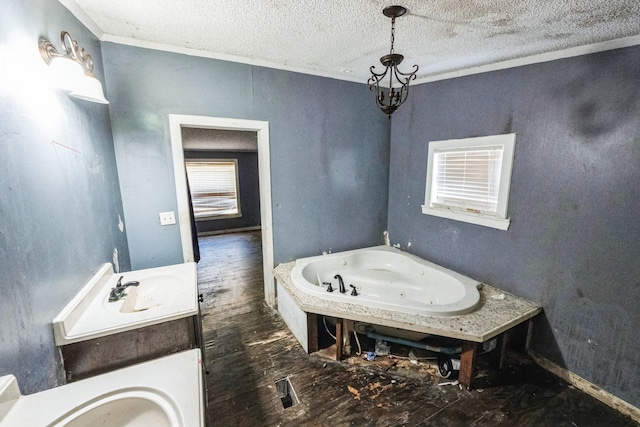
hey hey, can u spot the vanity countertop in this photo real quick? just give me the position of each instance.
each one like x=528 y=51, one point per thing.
x=162 y=294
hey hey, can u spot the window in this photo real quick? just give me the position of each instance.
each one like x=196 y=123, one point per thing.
x=468 y=179
x=214 y=188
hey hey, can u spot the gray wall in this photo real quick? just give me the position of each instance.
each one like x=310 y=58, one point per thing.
x=329 y=148
x=59 y=207
x=248 y=189
x=574 y=241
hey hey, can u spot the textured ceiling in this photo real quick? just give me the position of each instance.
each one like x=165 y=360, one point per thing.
x=343 y=38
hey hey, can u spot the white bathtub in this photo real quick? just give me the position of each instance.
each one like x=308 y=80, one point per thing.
x=388 y=278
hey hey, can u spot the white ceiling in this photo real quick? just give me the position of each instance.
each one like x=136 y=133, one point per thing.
x=343 y=38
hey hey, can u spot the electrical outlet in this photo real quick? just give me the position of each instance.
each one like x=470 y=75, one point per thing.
x=167 y=218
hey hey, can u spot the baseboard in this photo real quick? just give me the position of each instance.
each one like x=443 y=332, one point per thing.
x=587 y=387
x=233 y=230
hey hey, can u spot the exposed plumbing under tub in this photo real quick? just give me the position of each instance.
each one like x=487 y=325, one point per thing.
x=446 y=350
x=355 y=335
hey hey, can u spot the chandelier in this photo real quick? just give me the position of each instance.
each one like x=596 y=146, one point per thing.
x=389 y=98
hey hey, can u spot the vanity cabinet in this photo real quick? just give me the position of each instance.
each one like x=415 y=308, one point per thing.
x=99 y=355
x=157 y=314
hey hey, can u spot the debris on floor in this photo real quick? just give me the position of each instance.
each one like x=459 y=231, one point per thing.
x=418 y=367
x=355 y=392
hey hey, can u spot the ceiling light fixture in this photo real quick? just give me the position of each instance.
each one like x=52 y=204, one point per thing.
x=72 y=70
x=389 y=99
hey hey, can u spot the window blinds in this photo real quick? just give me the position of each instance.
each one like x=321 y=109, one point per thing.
x=213 y=185
x=467 y=179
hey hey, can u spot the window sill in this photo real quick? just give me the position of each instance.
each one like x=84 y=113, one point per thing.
x=216 y=217
x=486 y=221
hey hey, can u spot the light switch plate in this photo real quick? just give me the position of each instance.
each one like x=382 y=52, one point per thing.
x=167 y=218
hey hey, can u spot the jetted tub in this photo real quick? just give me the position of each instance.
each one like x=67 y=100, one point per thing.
x=387 y=278
x=163 y=294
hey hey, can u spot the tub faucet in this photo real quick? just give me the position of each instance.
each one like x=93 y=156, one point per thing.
x=117 y=293
x=340 y=283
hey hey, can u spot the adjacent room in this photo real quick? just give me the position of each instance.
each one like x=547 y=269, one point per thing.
x=314 y=213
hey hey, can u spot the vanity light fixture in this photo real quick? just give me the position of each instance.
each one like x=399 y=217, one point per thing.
x=72 y=70
x=389 y=99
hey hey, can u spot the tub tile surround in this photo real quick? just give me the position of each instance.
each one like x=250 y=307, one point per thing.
x=498 y=312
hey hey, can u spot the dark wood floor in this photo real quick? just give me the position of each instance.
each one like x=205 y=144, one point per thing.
x=248 y=348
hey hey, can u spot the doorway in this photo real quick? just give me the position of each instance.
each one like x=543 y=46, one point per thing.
x=176 y=124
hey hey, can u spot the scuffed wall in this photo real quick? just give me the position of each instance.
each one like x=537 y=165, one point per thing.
x=574 y=241
x=329 y=148
x=60 y=207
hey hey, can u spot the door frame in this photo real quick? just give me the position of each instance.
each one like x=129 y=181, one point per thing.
x=176 y=123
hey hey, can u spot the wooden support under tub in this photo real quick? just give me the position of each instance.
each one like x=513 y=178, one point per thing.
x=339 y=339
x=467 y=363
x=312 y=333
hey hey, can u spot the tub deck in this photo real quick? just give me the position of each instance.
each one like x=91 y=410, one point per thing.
x=499 y=312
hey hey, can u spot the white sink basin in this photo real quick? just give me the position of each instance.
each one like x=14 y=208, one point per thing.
x=166 y=392
x=152 y=293
x=123 y=409
x=163 y=294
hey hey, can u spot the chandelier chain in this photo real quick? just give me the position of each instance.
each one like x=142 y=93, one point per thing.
x=393 y=31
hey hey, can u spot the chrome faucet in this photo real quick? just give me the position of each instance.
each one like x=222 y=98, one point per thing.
x=117 y=293
x=340 y=283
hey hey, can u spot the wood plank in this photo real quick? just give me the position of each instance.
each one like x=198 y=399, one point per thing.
x=312 y=332
x=467 y=363
x=339 y=339
x=504 y=338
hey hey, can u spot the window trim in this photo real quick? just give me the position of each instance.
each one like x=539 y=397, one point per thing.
x=237 y=181
x=500 y=220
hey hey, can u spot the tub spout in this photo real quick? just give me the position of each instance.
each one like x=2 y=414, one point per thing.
x=340 y=283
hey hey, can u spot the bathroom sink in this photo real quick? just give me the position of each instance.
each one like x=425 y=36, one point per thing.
x=165 y=392
x=123 y=409
x=151 y=293
x=163 y=294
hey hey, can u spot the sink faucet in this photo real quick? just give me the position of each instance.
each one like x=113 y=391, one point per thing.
x=340 y=283
x=117 y=293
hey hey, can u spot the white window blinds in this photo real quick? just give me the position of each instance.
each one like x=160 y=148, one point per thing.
x=467 y=179
x=214 y=187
